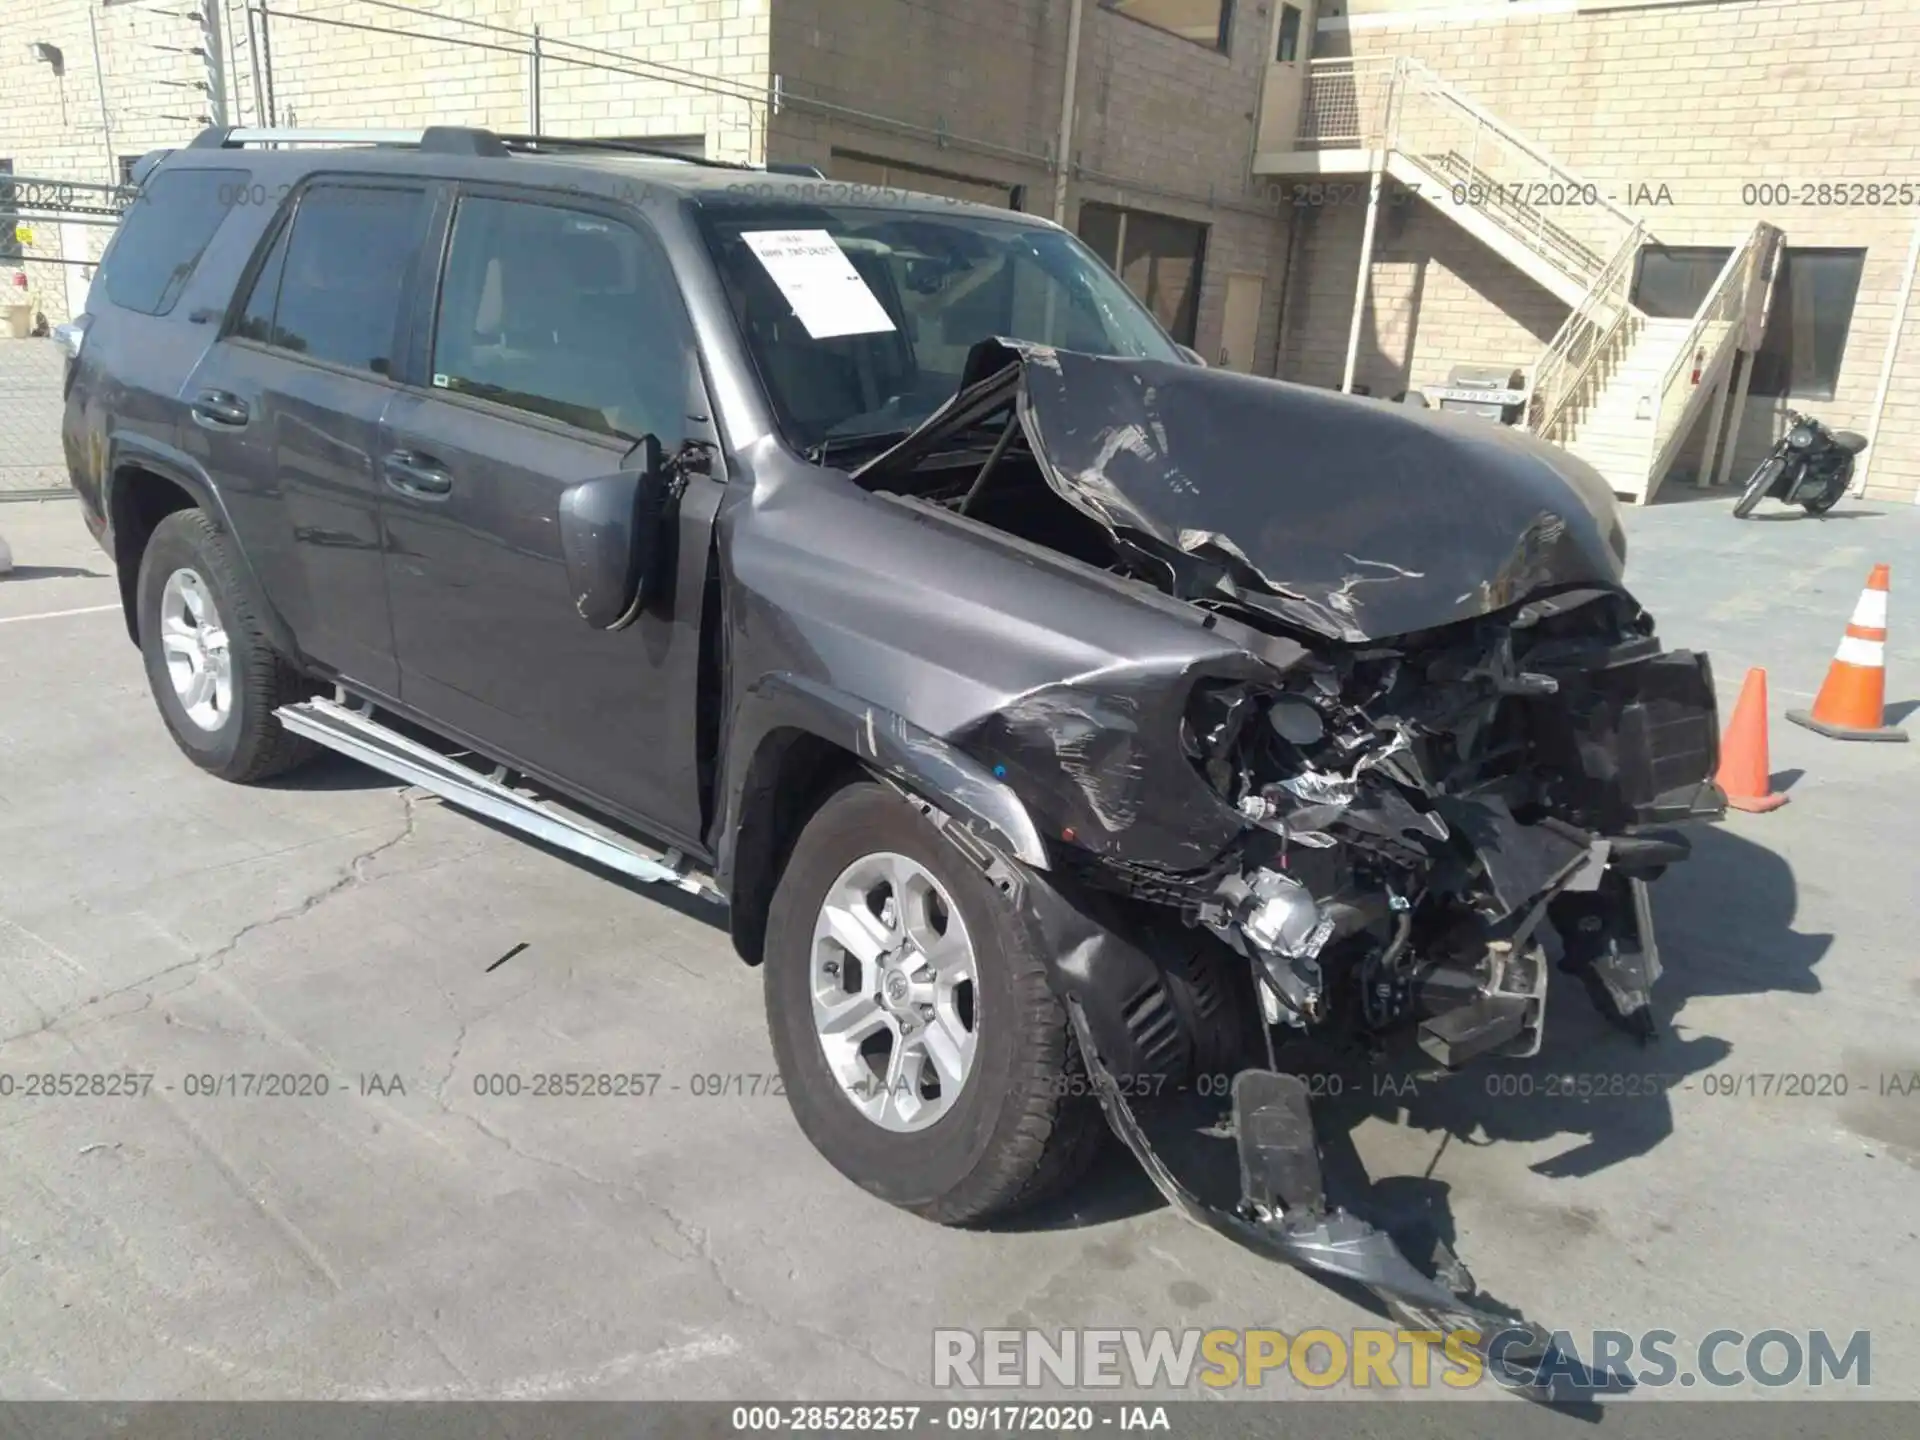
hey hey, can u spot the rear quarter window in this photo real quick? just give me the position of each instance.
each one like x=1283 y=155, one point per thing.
x=165 y=231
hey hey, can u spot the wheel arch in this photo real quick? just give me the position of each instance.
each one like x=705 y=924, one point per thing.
x=793 y=743
x=144 y=483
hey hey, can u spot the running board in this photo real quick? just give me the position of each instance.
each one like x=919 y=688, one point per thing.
x=357 y=734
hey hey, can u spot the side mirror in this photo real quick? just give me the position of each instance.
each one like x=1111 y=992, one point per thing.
x=610 y=533
x=1193 y=355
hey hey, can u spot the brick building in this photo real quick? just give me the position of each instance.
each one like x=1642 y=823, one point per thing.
x=1677 y=218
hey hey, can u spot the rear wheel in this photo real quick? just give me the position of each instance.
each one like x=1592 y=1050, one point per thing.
x=214 y=676
x=923 y=1051
x=1758 y=484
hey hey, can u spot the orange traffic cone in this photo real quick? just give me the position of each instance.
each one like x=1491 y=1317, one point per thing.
x=1744 y=773
x=1851 y=704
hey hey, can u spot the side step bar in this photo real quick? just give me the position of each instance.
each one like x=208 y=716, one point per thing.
x=357 y=734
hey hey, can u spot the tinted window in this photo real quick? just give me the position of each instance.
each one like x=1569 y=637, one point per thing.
x=256 y=321
x=562 y=313
x=1807 y=325
x=165 y=230
x=344 y=269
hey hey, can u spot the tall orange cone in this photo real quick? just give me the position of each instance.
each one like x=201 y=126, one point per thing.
x=1744 y=773
x=1851 y=704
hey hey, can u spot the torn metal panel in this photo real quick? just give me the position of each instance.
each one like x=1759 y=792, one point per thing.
x=1343 y=517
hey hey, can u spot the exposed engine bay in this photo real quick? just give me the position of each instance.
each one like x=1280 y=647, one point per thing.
x=1442 y=739
x=1380 y=825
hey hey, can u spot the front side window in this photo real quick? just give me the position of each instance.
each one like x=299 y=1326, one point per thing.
x=1205 y=22
x=860 y=320
x=563 y=313
x=330 y=288
x=163 y=235
x=1812 y=311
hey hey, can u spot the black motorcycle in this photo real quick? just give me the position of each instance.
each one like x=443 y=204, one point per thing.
x=1810 y=466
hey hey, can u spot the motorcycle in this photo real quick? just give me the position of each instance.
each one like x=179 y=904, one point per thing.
x=1810 y=466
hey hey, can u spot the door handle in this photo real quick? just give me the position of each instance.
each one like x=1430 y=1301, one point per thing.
x=219 y=408
x=415 y=474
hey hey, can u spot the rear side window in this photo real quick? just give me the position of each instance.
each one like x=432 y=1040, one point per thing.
x=331 y=286
x=165 y=231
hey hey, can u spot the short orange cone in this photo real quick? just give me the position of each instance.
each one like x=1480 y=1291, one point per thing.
x=1851 y=704
x=1744 y=773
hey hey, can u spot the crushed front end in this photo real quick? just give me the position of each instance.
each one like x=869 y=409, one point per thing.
x=1430 y=755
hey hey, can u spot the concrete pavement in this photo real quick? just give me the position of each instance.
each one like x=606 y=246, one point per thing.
x=409 y=1235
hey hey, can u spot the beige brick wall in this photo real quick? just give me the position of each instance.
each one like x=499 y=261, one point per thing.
x=1438 y=298
x=675 y=67
x=973 y=87
x=1704 y=99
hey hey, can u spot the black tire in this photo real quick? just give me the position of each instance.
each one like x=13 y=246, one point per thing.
x=1824 y=504
x=249 y=743
x=1758 y=483
x=1024 y=1126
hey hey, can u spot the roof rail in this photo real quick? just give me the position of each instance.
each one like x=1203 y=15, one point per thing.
x=440 y=138
x=624 y=147
x=468 y=140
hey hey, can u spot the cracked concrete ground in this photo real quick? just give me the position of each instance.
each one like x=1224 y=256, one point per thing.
x=406 y=1235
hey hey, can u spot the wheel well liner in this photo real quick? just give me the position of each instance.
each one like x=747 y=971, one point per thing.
x=137 y=501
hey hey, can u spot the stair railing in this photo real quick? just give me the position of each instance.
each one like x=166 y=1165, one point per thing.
x=1471 y=156
x=1723 y=321
x=1583 y=337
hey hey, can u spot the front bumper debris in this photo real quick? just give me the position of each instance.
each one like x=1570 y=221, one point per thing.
x=1284 y=1214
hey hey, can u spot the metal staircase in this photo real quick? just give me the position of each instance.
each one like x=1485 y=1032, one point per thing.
x=1616 y=387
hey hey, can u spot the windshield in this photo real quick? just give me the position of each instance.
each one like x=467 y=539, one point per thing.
x=868 y=335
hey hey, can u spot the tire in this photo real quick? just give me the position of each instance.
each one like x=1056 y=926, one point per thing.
x=188 y=564
x=1758 y=483
x=1022 y=1125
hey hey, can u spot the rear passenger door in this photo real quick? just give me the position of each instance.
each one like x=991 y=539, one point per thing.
x=558 y=341
x=288 y=407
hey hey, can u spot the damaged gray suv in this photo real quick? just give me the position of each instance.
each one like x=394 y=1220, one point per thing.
x=1060 y=720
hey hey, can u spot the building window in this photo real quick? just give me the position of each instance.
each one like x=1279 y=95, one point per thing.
x=1289 y=48
x=1671 y=281
x=1205 y=22
x=1159 y=257
x=1813 y=295
x=884 y=173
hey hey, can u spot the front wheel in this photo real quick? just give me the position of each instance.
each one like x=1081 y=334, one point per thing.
x=1758 y=484
x=923 y=1051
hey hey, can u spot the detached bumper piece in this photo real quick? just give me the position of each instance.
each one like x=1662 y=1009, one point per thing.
x=1283 y=1214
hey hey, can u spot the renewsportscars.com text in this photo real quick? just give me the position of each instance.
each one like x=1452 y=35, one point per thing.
x=1384 y=1359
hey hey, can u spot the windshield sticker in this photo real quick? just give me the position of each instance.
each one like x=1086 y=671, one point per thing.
x=819 y=281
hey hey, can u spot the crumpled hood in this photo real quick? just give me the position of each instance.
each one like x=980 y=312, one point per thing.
x=1350 y=517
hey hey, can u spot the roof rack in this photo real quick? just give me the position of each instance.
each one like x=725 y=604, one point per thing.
x=467 y=140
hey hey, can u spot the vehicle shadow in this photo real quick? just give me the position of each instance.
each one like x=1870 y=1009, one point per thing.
x=330 y=770
x=54 y=572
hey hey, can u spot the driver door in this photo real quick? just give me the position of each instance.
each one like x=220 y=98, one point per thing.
x=558 y=340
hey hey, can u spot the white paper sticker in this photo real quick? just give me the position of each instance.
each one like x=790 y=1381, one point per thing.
x=819 y=281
